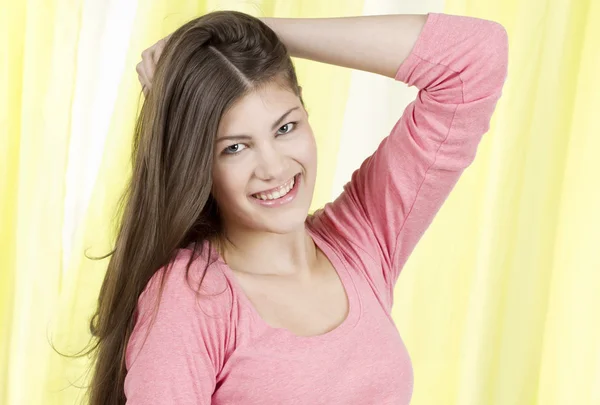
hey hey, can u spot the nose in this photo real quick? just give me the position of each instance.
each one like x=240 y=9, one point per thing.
x=272 y=163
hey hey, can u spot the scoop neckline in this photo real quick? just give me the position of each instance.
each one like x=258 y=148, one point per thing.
x=341 y=268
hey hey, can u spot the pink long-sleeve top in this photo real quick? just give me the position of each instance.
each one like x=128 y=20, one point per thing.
x=218 y=350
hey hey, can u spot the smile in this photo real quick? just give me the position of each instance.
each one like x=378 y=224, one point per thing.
x=279 y=195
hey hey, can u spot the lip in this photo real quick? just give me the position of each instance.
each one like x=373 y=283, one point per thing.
x=275 y=188
x=289 y=197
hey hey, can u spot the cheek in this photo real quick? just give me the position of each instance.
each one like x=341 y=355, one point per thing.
x=228 y=183
x=309 y=152
x=305 y=149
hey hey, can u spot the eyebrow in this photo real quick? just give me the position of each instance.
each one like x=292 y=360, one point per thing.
x=275 y=125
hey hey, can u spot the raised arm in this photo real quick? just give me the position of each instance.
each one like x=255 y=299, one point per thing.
x=374 y=44
x=459 y=64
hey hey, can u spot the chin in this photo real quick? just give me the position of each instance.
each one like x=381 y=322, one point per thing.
x=291 y=221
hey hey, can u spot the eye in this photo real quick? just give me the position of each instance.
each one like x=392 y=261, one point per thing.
x=234 y=149
x=292 y=124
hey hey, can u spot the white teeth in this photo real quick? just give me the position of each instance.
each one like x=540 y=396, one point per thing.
x=282 y=191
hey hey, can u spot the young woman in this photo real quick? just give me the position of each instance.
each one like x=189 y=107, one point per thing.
x=221 y=289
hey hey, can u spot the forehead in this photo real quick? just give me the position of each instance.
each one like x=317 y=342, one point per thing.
x=258 y=108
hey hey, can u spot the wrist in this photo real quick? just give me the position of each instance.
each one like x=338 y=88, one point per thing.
x=278 y=25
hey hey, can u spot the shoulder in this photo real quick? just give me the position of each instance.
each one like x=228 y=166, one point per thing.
x=175 y=308
x=338 y=225
x=188 y=285
x=183 y=334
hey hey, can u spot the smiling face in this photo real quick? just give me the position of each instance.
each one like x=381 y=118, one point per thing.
x=265 y=162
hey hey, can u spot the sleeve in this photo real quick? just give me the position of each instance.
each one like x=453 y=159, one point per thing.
x=459 y=64
x=178 y=361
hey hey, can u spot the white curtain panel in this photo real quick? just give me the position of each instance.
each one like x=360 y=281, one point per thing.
x=375 y=102
x=105 y=30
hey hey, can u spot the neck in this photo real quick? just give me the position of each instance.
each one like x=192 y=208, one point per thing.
x=253 y=252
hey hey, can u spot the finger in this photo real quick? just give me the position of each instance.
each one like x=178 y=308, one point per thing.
x=160 y=47
x=148 y=64
x=139 y=68
x=158 y=51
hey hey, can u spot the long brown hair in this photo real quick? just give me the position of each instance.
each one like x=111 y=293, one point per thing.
x=206 y=66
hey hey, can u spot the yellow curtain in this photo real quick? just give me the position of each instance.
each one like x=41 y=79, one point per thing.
x=500 y=302
x=503 y=303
